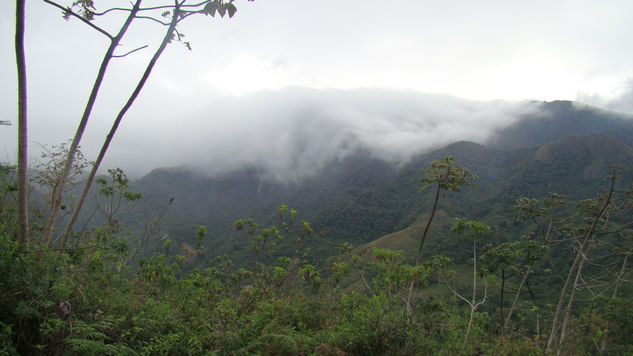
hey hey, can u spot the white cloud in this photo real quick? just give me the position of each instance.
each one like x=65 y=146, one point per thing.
x=613 y=97
x=294 y=132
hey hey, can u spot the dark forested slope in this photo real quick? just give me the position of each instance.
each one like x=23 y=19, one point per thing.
x=360 y=198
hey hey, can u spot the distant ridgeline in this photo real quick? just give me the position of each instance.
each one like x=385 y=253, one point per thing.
x=565 y=148
x=559 y=119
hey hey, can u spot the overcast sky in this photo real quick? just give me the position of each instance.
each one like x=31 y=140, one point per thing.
x=314 y=77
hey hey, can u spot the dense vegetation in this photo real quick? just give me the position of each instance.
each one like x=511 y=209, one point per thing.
x=547 y=275
x=360 y=198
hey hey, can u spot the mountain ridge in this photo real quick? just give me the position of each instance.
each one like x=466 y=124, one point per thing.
x=360 y=198
x=557 y=119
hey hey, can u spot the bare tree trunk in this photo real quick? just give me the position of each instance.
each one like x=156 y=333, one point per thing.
x=117 y=121
x=74 y=146
x=428 y=225
x=473 y=306
x=419 y=254
x=516 y=298
x=501 y=293
x=470 y=324
x=23 y=208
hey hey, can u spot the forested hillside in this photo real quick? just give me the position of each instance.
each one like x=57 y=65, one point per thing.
x=518 y=247
x=359 y=198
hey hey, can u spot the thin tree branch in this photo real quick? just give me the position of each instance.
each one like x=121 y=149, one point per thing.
x=111 y=9
x=196 y=5
x=67 y=10
x=457 y=294
x=153 y=19
x=362 y=276
x=182 y=4
x=187 y=14
x=485 y=296
x=130 y=52
x=620 y=228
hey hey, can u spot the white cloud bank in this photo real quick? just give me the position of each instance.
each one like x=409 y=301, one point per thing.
x=294 y=132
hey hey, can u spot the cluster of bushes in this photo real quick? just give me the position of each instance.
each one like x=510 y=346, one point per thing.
x=85 y=300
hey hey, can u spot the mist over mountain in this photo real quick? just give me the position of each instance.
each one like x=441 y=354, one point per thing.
x=295 y=132
x=360 y=196
x=555 y=120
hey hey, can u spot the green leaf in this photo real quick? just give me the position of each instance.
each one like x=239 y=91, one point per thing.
x=211 y=8
x=231 y=9
x=222 y=10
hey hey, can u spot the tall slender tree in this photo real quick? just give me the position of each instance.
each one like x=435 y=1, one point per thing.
x=474 y=230
x=74 y=146
x=23 y=216
x=177 y=11
x=169 y=34
x=444 y=175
